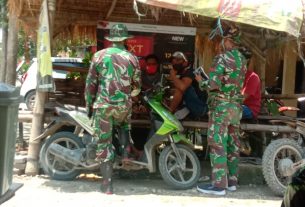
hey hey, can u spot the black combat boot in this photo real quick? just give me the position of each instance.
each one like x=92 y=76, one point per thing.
x=125 y=144
x=106 y=171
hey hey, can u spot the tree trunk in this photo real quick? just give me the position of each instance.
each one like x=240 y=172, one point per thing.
x=12 y=50
x=4 y=41
x=32 y=167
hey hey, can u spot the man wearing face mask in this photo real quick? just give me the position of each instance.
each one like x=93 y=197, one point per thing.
x=186 y=88
x=151 y=74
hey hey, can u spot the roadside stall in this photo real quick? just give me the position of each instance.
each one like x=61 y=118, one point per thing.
x=188 y=32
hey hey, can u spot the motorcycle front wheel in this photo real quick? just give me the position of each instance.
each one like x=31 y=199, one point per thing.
x=173 y=174
x=55 y=167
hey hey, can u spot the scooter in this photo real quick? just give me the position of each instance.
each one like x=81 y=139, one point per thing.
x=65 y=155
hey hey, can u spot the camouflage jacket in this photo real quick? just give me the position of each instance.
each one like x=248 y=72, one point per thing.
x=112 y=74
x=226 y=77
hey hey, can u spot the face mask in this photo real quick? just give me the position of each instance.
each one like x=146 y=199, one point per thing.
x=178 y=67
x=151 y=69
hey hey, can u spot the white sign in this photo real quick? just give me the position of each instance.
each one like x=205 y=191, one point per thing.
x=151 y=28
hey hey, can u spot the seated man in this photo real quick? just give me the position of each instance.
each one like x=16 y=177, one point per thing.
x=151 y=73
x=252 y=93
x=186 y=88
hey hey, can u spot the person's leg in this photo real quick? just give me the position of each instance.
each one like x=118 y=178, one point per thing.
x=217 y=140
x=121 y=118
x=247 y=113
x=177 y=98
x=103 y=125
x=125 y=141
x=105 y=154
x=233 y=155
x=193 y=102
x=106 y=171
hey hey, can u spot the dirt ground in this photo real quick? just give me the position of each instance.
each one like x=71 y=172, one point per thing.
x=129 y=191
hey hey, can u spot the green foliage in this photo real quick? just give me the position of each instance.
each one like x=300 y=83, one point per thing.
x=87 y=59
x=71 y=46
x=76 y=76
x=26 y=46
x=273 y=107
x=24 y=68
x=3 y=13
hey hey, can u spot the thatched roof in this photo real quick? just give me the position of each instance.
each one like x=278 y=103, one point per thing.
x=80 y=17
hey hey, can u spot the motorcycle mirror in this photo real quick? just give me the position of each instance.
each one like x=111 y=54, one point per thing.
x=135 y=92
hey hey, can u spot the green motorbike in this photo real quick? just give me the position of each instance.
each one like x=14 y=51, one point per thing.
x=65 y=154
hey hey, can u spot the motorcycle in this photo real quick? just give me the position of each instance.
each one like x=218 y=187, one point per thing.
x=65 y=155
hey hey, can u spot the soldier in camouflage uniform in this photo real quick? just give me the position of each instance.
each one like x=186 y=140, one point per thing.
x=225 y=82
x=113 y=73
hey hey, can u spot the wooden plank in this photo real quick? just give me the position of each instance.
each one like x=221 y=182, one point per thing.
x=244 y=126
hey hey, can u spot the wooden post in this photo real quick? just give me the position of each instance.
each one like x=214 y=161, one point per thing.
x=289 y=71
x=12 y=50
x=262 y=66
x=38 y=112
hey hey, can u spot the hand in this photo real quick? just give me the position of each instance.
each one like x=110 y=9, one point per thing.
x=135 y=99
x=198 y=78
x=142 y=109
x=172 y=74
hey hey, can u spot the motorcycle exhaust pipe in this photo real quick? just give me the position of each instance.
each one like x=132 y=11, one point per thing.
x=71 y=156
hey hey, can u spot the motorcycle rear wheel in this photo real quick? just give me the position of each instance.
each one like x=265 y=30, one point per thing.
x=172 y=174
x=56 y=168
x=277 y=151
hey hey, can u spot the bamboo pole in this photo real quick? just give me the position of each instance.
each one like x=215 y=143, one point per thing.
x=111 y=9
x=255 y=49
x=38 y=112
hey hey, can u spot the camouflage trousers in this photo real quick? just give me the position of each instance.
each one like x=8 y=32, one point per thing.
x=223 y=139
x=104 y=121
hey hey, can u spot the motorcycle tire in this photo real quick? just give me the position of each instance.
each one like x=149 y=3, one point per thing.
x=58 y=169
x=172 y=174
x=274 y=152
